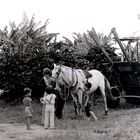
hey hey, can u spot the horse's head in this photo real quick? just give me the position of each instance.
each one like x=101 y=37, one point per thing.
x=56 y=71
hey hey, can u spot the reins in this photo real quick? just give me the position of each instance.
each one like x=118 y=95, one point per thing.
x=69 y=87
x=64 y=96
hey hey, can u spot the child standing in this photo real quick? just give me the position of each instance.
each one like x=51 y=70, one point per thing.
x=49 y=101
x=27 y=104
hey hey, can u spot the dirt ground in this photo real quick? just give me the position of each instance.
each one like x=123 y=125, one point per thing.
x=120 y=124
x=17 y=131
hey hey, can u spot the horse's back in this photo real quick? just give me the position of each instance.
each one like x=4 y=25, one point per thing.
x=97 y=79
x=96 y=73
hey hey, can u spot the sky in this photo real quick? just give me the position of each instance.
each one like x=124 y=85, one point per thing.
x=69 y=16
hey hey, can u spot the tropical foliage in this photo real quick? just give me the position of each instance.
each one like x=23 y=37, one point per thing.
x=24 y=53
x=27 y=48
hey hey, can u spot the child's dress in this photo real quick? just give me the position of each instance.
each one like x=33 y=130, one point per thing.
x=27 y=104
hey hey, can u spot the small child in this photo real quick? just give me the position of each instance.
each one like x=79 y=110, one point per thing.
x=49 y=101
x=89 y=112
x=27 y=104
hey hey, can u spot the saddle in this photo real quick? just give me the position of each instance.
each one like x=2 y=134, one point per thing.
x=88 y=85
x=87 y=74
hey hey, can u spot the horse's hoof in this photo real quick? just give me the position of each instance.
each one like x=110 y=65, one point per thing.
x=76 y=117
x=95 y=119
x=106 y=112
x=88 y=118
x=80 y=117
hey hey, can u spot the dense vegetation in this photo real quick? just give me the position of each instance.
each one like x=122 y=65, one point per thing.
x=28 y=48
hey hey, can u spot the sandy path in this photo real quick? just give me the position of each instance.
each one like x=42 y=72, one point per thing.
x=17 y=131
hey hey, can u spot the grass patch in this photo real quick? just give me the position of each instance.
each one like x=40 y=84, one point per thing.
x=120 y=124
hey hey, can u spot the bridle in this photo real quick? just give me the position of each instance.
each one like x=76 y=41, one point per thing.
x=58 y=73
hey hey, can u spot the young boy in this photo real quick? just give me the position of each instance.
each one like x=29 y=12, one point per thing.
x=49 y=101
x=27 y=104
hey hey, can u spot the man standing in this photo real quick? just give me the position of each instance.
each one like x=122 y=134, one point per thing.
x=48 y=82
x=48 y=101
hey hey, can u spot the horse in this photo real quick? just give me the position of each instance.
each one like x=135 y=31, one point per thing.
x=77 y=79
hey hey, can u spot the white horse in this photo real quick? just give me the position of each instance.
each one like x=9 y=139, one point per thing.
x=76 y=80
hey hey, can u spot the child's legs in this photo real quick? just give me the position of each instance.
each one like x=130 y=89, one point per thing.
x=43 y=114
x=94 y=116
x=46 y=117
x=28 y=122
x=52 y=116
x=87 y=112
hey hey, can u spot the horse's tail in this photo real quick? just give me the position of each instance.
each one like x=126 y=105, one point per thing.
x=108 y=89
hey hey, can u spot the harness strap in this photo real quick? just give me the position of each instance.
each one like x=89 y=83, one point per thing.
x=64 y=96
x=72 y=76
x=87 y=74
x=75 y=83
x=49 y=101
x=46 y=81
x=68 y=84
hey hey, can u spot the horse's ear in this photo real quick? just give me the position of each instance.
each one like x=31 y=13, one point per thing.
x=54 y=65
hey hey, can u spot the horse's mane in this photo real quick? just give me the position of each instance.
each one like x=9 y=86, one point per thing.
x=66 y=66
x=86 y=73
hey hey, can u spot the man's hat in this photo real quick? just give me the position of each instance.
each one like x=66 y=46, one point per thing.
x=27 y=90
x=46 y=71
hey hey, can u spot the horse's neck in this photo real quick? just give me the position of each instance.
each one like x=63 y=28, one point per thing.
x=67 y=76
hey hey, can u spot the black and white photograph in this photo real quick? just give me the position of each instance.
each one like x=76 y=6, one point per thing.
x=70 y=70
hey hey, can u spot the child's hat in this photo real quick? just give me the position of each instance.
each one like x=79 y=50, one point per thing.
x=27 y=90
x=46 y=71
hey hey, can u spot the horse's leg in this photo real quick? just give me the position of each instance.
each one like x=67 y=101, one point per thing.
x=89 y=111
x=80 y=95
x=76 y=110
x=102 y=89
x=92 y=100
x=93 y=115
x=75 y=105
x=87 y=99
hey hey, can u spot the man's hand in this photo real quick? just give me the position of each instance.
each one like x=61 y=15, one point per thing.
x=41 y=99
